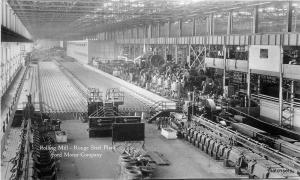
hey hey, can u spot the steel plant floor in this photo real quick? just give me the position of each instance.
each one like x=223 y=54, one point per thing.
x=186 y=160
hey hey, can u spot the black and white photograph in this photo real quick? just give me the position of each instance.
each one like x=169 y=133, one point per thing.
x=150 y=89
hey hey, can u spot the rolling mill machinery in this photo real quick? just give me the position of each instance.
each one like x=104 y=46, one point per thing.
x=233 y=128
x=237 y=149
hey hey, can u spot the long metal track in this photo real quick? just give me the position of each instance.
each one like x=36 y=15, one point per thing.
x=260 y=148
x=40 y=89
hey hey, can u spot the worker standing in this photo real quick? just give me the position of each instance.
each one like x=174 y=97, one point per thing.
x=158 y=123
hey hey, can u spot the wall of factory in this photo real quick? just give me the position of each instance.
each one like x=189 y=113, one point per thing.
x=269 y=110
x=78 y=50
x=261 y=56
x=46 y=44
x=11 y=21
x=12 y=59
x=103 y=50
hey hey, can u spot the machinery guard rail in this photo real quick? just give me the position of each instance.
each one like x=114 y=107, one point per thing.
x=274 y=155
x=265 y=97
x=283 y=131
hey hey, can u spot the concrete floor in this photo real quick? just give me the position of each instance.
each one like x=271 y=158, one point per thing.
x=105 y=167
x=186 y=160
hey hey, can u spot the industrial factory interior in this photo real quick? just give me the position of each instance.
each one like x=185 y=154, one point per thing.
x=150 y=89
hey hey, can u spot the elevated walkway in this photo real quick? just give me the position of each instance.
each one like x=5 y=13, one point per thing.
x=162 y=109
x=26 y=84
x=9 y=101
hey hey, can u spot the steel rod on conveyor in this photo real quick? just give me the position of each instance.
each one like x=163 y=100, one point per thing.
x=279 y=130
x=257 y=147
x=39 y=89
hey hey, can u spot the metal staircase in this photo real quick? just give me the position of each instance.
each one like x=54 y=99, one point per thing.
x=161 y=109
x=108 y=109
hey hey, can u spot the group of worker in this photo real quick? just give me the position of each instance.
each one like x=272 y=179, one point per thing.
x=162 y=122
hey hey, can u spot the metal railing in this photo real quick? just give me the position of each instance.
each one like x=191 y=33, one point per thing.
x=296 y=102
x=165 y=105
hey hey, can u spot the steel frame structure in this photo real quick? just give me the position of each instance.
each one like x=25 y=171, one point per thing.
x=70 y=18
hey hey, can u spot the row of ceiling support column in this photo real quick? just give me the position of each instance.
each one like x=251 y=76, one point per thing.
x=149 y=28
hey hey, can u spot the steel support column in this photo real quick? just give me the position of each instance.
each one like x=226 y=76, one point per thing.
x=150 y=31
x=165 y=52
x=210 y=24
x=280 y=89
x=280 y=99
x=292 y=101
x=169 y=28
x=158 y=28
x=224 y=71
x=229 y=23
x=258 y=84
x=176 y=54
x=194 y=27
x=189 y=48
x=134 y=51
x=289 y=17
x=180 y=28
x=255 y=20
x=249 y=87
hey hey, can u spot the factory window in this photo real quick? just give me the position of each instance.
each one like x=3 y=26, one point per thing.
x=146 y=32
x=242 y=21
x=141 y=32
x=273 y=17
x=164 y=29
x=187 y=27
x=220 y=23
x=154 y=31
x=134 y=31
x=201 y=26
x=296 y=17
x=174 y=32
x=263 y=53
x=125 y=34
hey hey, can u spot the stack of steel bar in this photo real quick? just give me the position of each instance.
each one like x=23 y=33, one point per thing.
x=92 y=80
x=58 y=93
x=285 y=146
